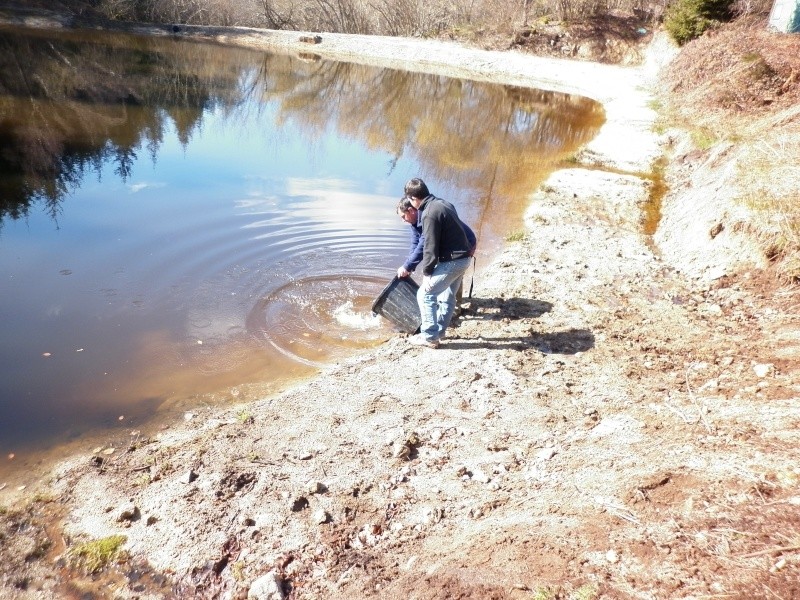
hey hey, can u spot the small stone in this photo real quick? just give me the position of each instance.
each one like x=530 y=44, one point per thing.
x=612 y=557
x=299 y=503
x=400 y=450
x=480 y=476
x=319 y=517
x=128 y=512
x=546 y=453
x=764 y=369
x=267 y=587
x=188 y=477
x=316 y=487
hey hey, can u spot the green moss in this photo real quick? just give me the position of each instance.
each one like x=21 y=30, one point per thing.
x=517 y=236
x=703 y=138
x=543 y=594
x=585 y=592
x=95 y=555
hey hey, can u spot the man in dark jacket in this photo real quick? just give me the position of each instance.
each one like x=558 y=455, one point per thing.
x=410 y=215
x=446 y=252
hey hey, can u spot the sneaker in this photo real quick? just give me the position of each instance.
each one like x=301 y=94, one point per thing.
x=419 y=340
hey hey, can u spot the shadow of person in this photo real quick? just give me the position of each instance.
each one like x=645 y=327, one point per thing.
x=494 y=309
x=569 y=341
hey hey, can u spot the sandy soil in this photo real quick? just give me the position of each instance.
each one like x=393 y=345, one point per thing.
x=599 y=424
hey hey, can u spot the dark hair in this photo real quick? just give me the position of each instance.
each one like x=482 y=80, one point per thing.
x=416 y=188
x=404 y=205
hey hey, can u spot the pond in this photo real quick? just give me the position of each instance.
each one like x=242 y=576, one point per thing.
x=184 y=224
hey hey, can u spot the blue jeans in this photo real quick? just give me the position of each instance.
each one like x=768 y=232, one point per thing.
x=438 y=303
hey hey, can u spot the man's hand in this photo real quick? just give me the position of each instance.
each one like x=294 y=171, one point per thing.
x=426 y=283
x=402 y=272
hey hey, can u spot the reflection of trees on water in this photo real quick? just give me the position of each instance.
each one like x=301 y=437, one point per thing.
x=71 y=103
x=458 y=130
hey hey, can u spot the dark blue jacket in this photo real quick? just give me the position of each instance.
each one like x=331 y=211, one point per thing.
x=418 y=240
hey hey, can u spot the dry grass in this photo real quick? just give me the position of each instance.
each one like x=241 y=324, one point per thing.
x=740 y=86
x=769 y=178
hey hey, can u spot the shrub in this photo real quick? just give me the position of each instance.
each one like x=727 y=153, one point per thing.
x=688 y=19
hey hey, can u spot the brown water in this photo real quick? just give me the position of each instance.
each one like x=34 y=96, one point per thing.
x=185 y=224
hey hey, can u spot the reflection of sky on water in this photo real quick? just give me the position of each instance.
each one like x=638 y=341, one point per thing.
x=341 y=203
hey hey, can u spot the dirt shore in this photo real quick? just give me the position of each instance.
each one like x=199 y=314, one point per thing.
x=599 y=424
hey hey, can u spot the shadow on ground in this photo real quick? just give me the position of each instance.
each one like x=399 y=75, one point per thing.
x=494 y=309
x=569 y=341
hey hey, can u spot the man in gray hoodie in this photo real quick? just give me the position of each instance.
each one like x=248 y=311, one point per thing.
x=446 y=256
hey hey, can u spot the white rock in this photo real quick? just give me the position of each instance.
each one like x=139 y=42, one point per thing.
x=612 y=556
x=127 y=512
x=188 y=477
x=267 y=587
x=545 y=453
x=480 y=476
x=315 y=487
x=319 y=517
x=764 y=369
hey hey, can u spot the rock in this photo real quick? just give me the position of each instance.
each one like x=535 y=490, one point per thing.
x=612 y=557
x=764 y=369
x=480 y=476
x=319 y=517
x=188 y=477
x=267 y=587
x=316 y=487
x=545 y=454
x=299 y=503
x=128 y=512
x=400 y=450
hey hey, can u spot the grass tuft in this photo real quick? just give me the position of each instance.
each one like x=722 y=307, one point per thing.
x=769 y=178
x=95 y=555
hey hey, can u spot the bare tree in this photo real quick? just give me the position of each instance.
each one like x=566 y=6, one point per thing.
x=525 y=7
x=278 y=17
